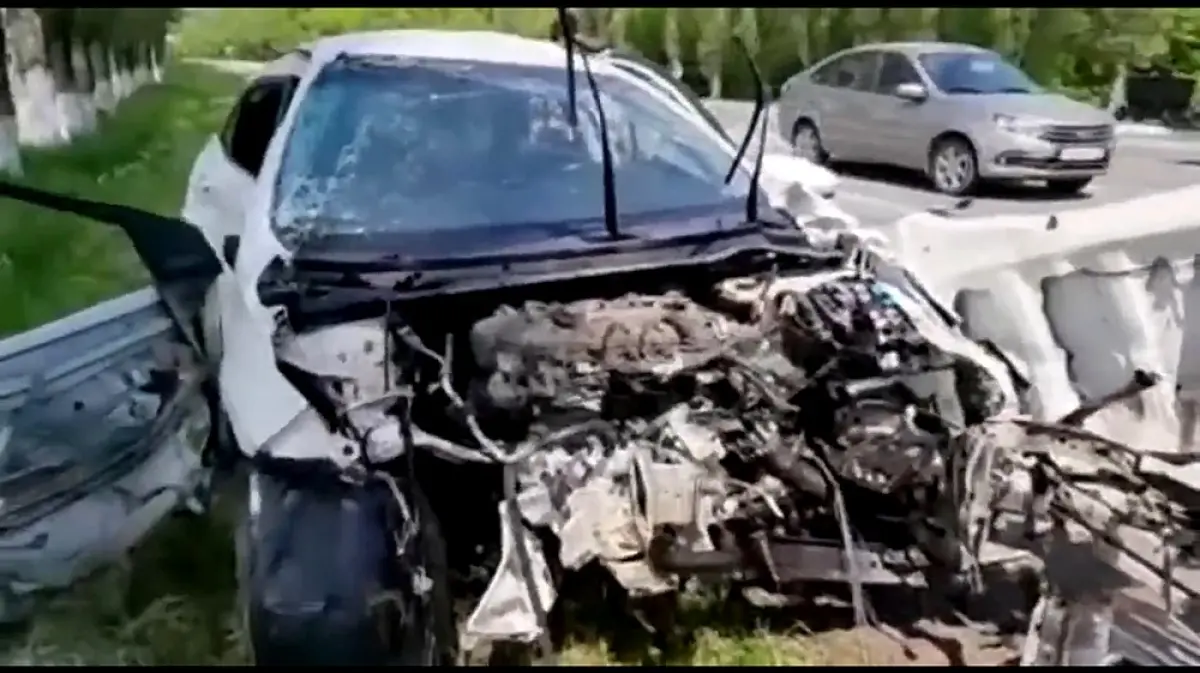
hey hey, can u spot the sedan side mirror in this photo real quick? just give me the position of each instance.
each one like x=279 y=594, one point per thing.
x=911 y=91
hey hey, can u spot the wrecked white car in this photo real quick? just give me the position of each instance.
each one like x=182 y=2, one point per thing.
x=481 y=314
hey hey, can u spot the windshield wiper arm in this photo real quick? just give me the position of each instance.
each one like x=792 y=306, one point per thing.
x=606 y=162
x=757 y=117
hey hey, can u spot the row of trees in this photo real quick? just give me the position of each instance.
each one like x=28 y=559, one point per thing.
x=66 y=66
x=1079 y=50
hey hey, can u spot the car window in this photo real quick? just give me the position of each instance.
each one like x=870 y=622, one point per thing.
x=974 y=73
x=455 y=145
x=894 y=70
x=852 y=71
x=253 y=121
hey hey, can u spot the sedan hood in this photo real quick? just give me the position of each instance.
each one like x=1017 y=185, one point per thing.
x=1053 y=108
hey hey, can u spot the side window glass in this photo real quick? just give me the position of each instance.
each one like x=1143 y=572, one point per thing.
x=852 y=71
x=250 y=126
x=826 y=75
x=895 y=70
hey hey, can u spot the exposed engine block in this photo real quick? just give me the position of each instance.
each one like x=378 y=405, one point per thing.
x=701 y=427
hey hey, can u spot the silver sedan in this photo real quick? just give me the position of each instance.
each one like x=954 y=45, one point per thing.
x=959 y=113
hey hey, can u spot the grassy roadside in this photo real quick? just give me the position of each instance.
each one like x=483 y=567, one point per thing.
x=53 y=264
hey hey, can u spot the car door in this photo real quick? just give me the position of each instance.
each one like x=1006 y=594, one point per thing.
x=901 y=127
x=840 y=97
x=225 y=172
x=104 y=430
x=223 y=179
x=107 y=416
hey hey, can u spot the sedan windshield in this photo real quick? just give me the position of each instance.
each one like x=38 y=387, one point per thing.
x=384 y=146
x=975 y=72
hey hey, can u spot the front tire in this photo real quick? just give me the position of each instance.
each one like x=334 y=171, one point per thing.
x=807 y=144
x=1068 y=187
x=954 y=167
x=321 y=582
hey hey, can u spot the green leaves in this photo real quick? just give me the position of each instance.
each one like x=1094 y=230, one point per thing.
x=1079 y=49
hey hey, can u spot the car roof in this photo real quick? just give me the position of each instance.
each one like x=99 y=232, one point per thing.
x=484 y=46
x=914 y=49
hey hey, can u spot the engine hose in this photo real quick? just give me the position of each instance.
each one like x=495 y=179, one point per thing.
x=525 y=565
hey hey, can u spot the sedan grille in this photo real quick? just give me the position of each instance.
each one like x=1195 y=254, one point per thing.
x=1067 y=135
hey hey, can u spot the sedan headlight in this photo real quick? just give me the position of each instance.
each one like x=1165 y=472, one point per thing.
x=1023 y=125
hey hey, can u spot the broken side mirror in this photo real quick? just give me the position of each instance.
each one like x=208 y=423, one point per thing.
x=229 y=249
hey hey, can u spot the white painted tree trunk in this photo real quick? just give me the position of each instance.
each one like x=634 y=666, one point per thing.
x=103 y=89
x=81 y=98
x=156 y=74
x=39 y=121
x=10 y=146
x=118 y=83
x=128 y=83
x=141 y=67
x=1116 y=96
x=66 y=94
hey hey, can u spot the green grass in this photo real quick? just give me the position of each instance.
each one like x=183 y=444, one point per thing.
x=171 y=602
x=53 y=264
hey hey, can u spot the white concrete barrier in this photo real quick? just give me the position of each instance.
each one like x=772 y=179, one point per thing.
x=1079 y=302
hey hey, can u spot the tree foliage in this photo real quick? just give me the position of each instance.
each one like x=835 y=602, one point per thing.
x=1076 y=49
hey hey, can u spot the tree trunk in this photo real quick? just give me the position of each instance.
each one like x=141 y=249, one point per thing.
x=71 y=101
x=1116 y=94
x=102 y=92
x=83 y=87
x=156 y=74
x=141 y=68
x=116 y=77
x=123 y=73
x=10 y=146
x=35 y=93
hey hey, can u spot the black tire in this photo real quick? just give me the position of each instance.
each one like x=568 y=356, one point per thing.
x=1072 y=186
x=963 y=150
x=313 y=567
x=802 y=126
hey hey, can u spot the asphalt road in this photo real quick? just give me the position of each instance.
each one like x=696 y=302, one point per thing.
x=1142 y=165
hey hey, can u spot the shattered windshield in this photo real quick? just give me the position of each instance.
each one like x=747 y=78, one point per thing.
x=401 y=147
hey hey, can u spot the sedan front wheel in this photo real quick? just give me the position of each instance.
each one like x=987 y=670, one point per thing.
x=953 y=167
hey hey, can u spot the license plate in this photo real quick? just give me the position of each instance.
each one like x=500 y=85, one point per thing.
x=1081 y=153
